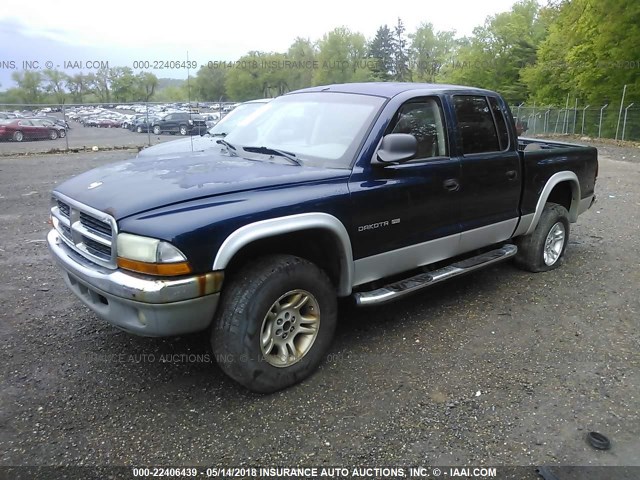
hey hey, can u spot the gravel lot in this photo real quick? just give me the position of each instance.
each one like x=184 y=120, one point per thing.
x=501 y=367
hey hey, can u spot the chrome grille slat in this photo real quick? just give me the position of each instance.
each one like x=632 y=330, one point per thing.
x=95 y=225
x=87 y=231
x=64 y=208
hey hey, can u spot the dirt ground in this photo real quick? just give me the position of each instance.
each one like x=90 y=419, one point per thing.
x=501 y=367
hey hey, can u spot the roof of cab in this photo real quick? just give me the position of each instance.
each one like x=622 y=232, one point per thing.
x=391 y=89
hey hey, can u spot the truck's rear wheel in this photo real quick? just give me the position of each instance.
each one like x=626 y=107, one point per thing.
x=275 y=322
x=543 y=249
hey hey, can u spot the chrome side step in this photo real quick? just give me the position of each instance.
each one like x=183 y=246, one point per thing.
x=406 y=286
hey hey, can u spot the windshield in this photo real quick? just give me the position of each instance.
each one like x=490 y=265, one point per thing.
x=319 y=128
x=233 y=118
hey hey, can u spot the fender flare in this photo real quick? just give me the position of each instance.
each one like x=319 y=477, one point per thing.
x=292 y=223
x=554 y=180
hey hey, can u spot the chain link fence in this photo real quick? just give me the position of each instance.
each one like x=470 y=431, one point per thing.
x=114 y=122
x=115 y=125
x=589 y=121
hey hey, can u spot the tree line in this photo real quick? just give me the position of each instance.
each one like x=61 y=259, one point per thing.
x=581 y=50
x=108 y=85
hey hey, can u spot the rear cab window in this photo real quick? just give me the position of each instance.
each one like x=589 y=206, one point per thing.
x=482 y=124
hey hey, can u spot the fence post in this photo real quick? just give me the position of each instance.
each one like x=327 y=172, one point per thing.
x=546 y=119
x=147 y=124
x=555 y=130
x=584 y=110
x=624 y=124
x=534 y=118
x=600 y=124
x=624 y=91
x=66 y=131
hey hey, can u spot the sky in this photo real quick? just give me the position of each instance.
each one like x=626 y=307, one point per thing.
x=122 y=32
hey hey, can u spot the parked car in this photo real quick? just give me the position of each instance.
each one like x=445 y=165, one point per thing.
x=45 y=122
x=58 y=121
x=183 y=123
x=370 y=191
x=143 y=124
x=209 y=140
x=107 y=123
x=20 y=129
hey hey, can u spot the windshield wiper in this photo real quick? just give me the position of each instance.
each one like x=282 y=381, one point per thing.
x=222 y=141
x=273 y=151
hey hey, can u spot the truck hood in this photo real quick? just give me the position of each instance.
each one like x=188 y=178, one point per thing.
x=184 y=145
x=127 y=188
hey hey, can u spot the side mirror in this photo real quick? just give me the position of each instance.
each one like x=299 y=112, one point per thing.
x=397 y=147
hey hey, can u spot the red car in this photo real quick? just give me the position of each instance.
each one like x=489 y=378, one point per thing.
x=19 y=129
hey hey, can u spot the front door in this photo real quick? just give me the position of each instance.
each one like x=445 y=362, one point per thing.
x=406 y=215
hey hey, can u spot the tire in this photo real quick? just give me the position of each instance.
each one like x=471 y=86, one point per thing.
x=183 y=130
x=156 y=130
x=18 y=136
x=543 y=249
x=53 y=135
x=139 y=129
x=263 y=301
x=63 y=133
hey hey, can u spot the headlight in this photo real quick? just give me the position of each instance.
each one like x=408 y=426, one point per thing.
x=150 y=255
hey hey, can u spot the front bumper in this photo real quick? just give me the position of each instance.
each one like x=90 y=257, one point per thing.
x=154 y=307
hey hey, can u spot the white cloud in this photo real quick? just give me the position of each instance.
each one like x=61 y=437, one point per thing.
x=227 y=30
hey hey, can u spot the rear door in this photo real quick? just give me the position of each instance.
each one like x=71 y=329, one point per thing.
x=491 y=178
x=30 y=130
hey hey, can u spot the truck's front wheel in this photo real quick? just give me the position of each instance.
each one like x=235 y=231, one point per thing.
x=544 y=248
x=275 y=322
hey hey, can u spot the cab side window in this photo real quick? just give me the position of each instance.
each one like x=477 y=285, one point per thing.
x=476 y=124
x=423 y=119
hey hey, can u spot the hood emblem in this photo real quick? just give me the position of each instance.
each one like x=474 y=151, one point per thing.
x=94 y=185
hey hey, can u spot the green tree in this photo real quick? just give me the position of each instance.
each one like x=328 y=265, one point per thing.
x=429 y=51
x=381 y=52
x=499 y=50
x=342 y=58
x=147 y=84
x=100 y=85
x=303 y=53
x=55 y=84
x=588 y=54
x=78 y=86
x=401 y=70
x=124 y=85
x=209 y=83
x=29 y=88
x=172 y=93
x=257 y=75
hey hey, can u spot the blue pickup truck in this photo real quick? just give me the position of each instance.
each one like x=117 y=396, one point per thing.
x=371 y=191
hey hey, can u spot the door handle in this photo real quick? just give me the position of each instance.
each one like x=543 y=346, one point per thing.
x=512 y=174
x=451 y=185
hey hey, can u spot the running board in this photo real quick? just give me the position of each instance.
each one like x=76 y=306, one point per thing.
x=409 y=285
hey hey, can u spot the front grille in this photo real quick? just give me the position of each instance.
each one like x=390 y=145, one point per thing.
x=96 y=225
x=64 y=208
x=97 y=249
x=87 y=231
